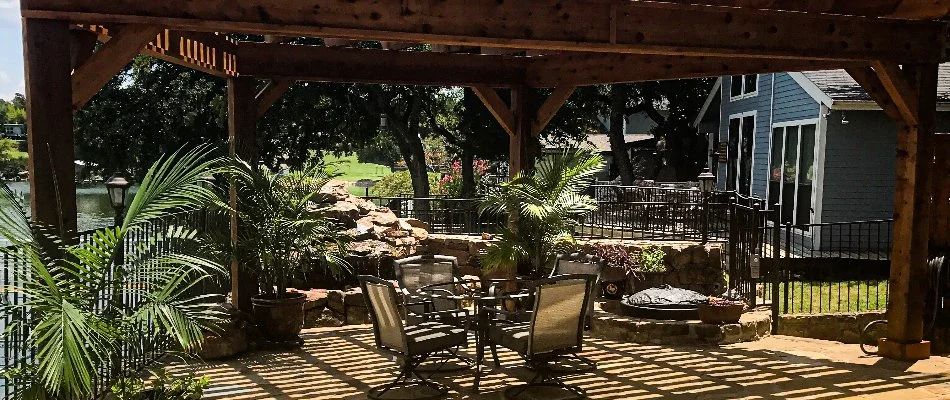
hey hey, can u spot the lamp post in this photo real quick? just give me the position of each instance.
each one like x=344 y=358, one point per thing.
x=117 y=187
x=707 y=183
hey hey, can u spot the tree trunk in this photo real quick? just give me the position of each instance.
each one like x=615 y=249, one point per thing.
x=618 y=146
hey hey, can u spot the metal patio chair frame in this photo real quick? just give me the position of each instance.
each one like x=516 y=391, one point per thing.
x=394 y=336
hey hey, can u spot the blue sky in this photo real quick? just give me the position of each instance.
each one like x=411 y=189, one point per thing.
x=11 y=49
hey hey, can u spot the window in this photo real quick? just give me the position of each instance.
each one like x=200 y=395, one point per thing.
x=744 y=86
x=741 y=142
x=792 y=172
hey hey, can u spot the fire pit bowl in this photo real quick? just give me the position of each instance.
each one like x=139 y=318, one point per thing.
x=664 y=302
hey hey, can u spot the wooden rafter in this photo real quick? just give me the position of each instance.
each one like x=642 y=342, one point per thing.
x=324 y=64
x=548 y=110
x=104 y=64
x=582 y=69
x=899 y=90
x=206 y=52
x=270 y=94
x=564 y=25
x=911 y=9
x=497 y=107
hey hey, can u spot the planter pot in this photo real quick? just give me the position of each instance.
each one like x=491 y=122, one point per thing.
x=649 y=280
x=720 y=314
x=280 y=320
x=613 y=290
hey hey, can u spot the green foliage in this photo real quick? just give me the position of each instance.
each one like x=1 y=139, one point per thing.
x=399 y=183
x=349 y=168
x=542 y=208
x=13 y=111
x=451 y=183
x=161 y=386
x=380 y=150
x=284 y=225
x=12 y=160
x=75 y=293
x=651 y=259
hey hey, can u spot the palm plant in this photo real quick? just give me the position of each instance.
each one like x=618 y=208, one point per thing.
x=77 y=303
x=542 y=209
x=284 y=225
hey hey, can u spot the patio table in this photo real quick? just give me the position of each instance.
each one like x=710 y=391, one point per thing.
x=479 y=298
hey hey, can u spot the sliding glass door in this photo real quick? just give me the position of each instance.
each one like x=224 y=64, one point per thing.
x=792 y=172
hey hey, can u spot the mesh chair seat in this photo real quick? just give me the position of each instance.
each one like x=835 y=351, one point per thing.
x=429 y=337
x=511 y=336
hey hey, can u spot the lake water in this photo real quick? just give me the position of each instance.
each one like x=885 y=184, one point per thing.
x=92 y=203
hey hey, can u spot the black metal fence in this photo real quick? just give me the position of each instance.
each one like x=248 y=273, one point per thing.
x=825 y=268
x=132 y=356
x=444 y=216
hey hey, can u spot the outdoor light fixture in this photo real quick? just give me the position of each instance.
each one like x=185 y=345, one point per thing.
x=707 y=181
x=383 y=121
x=117 y=186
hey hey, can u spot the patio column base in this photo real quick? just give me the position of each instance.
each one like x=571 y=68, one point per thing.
x=903 y=351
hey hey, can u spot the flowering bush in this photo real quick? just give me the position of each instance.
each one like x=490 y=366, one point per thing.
x=451 y=183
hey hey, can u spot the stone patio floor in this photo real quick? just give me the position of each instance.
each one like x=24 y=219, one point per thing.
x=342 y=363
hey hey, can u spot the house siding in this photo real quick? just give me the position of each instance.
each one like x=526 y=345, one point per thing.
x=860 y=165
x=792 y=102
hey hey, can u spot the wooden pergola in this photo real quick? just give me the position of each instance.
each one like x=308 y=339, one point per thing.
x=891 y=47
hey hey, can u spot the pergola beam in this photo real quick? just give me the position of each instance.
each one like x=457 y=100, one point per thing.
x=297 y=62
x=549 y=108
x=497 y=107
x=899 y=90
x=583 y=69
x=90 y=76
x=563 y=25
x=910 y=9
x=206 y=52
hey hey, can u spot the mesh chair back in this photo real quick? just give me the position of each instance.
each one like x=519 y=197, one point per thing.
x=583 y=264
x=419 y=271
x=383 y=309
x=559 y=309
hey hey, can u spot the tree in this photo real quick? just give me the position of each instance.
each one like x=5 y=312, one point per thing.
x=682 y=147
x=12 y=160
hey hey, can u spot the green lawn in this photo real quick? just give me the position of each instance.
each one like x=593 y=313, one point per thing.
x=352 y=170
x=832 y=297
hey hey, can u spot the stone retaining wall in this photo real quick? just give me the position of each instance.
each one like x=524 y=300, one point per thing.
x=612 y=326
x=841 y=327
x=689 y=265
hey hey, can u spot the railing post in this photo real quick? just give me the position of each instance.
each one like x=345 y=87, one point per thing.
x=733 y=241
x=775 y=272
x=705 y=217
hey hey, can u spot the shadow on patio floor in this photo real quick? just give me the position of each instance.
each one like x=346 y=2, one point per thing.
x=343 y=364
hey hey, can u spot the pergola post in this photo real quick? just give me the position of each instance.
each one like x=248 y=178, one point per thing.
x=242 y=126
x=913 y=90
x=523 y=145
x=49 y=120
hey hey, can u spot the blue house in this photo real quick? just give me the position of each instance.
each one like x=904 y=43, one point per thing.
x=813 y=144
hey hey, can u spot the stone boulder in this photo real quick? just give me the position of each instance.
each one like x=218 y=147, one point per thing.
x=230 y=341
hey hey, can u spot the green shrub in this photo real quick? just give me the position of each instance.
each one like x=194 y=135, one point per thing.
x=651 y=259
x=400 y=183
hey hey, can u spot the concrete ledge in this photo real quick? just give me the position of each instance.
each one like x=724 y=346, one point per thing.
x=753 y=326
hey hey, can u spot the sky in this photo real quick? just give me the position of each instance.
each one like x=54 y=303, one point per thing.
x=11 y=49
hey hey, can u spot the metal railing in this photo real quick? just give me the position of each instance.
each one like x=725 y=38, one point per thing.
x=827 y=267
x=132 y=356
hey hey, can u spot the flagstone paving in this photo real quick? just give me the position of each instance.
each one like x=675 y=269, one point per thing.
x=342 y=363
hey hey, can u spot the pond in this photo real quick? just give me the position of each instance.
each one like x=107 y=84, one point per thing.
x=92 y=204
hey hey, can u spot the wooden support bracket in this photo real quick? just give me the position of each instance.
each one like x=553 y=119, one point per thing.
x=868 y=79
x=270 y=94
x=104 y=64
x=899 y=89
x=497 y=107
x=549 y=109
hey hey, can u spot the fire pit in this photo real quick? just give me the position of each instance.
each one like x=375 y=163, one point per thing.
x=664 y=302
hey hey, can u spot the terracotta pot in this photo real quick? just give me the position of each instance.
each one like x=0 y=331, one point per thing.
x=280 y=320
x=649 y=280
x=718 y=315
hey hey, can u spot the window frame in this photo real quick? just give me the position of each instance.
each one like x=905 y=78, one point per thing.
x=744 y=94
x=816 y=122
x=755 y=123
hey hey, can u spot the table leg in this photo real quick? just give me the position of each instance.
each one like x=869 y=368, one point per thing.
x=480 y=344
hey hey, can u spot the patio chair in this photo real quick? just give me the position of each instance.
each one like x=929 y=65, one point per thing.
x=439 y=274
x=554 y=332
x=584 y=264
x=412 y=344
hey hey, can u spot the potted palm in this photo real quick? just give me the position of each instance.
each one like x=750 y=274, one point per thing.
x=78 y=306
x=284 y=229
x=542 y=209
